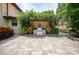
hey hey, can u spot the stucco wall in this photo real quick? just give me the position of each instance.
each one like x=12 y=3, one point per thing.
x=1 y=21
x=0 y=9
x=4 y=9
x=12 y=11
x=16 y=28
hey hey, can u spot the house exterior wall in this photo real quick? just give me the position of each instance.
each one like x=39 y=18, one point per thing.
x=0 y=14
x=16 y=28
x=1 y=21
x=0 y=9
x=4 y=9
x=12 y=11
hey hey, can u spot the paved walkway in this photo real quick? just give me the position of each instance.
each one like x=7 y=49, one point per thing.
x=23 y=45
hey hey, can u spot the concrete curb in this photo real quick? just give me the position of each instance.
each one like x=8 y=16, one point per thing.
x=73 y=38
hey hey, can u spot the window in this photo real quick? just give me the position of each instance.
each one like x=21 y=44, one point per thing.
x=14 y=22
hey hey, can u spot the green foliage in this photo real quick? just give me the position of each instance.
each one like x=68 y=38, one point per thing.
x=47 y=15
x=54 y=30
x=74 y=19
x=70 y=14
x=24 y=19
x=64 y=30
x=32 y=15
x=62 y=12
x=73 y=33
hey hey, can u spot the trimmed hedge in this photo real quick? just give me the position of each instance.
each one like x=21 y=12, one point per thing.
x=6 y=32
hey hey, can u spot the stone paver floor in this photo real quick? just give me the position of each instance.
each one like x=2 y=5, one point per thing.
x=24 y=45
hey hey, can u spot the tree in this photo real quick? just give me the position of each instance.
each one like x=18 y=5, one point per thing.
x=74 y=19
x=47 y=15
x=23 y=19
x=62 y=12
x=70 y=14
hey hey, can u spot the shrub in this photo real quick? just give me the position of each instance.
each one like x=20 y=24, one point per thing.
x=23 y=31
x=74 y=33
x=6 y=32
x=55 y=30
x=30 y=30
x=64 y=30
x=48 y=30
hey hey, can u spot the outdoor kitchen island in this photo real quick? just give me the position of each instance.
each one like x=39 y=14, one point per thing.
x=39 y=31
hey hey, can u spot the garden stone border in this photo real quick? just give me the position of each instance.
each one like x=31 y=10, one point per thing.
x=48 y=35
x=73 y=38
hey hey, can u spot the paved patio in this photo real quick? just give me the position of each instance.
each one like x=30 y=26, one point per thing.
x=45 y=45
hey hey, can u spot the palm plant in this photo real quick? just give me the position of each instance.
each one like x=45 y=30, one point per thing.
x=70 y=14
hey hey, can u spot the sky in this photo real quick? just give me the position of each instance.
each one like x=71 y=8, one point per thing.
x=38 y=7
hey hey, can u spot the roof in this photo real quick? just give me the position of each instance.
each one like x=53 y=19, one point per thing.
x=9 y=17
x=17 y=6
